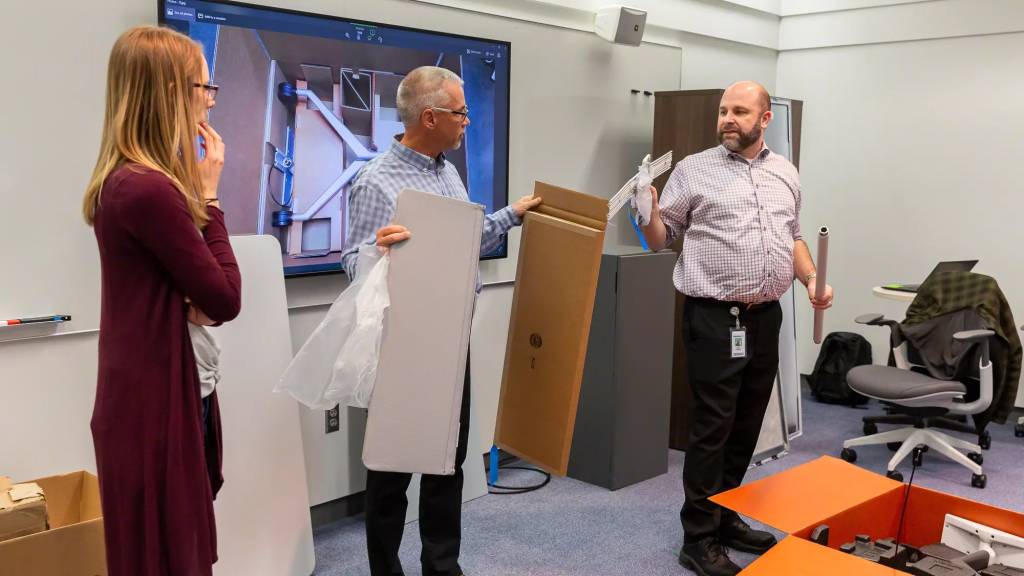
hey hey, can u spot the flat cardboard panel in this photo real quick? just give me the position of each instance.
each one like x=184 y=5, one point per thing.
x=90 y=506
x=802 y=496
x=71 y=551
x=797 y=557
x=556 y=282
x=413 y=420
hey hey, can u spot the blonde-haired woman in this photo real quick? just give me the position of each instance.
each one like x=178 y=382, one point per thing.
x=165 y=260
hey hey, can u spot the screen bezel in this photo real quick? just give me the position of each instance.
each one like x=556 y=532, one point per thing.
x=161 y=19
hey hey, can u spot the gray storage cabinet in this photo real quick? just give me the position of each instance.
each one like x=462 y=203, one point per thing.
x=622 y=425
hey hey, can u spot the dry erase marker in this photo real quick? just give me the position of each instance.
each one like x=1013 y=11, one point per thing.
x=36 y=320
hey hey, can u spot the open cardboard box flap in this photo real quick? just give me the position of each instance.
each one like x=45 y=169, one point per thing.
x=804 y=496
x=573 y=206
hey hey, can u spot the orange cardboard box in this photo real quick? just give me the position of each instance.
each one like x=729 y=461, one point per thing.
x=851 y=501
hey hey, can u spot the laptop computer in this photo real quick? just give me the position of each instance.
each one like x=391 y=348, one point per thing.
x=951 y=266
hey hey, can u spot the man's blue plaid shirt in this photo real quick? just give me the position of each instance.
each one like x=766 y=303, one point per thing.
x=373 y=195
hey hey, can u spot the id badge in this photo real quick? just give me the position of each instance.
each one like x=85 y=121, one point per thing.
x=738 y=340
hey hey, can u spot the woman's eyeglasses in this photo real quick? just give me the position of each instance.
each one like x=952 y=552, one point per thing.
x=210 y=89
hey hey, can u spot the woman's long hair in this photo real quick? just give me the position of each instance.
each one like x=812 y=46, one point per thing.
x=151 y=112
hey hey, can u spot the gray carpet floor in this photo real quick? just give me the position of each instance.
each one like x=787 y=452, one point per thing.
x=572 y=528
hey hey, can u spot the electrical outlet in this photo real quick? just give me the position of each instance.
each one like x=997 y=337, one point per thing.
x=333 y=419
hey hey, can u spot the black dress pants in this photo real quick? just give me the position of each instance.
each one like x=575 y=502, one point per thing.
x=440 y=513
x=730 y=396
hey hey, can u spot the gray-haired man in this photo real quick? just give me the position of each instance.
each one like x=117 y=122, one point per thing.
x=433 y=109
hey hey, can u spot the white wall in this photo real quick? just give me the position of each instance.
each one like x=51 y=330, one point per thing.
x=744 y=21
x=794 y=7
x=710 y=62
x=901 y=22
x=910 y=155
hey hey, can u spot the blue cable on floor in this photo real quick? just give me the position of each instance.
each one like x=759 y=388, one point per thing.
x=493 y=472
x=492 y=476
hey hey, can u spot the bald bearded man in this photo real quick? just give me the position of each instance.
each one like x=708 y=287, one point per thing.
x=737 y=206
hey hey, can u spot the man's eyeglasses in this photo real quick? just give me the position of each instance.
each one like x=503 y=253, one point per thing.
x=210 y=89
x=464 y=112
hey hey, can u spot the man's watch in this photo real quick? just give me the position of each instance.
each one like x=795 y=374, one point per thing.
x=809 y=277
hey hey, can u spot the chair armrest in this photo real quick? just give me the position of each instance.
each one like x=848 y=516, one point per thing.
x=872 y=319
x=876 y=319
x=973 y=335
x=980 y=336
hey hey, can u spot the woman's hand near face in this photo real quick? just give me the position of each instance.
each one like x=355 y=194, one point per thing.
x=213 y=161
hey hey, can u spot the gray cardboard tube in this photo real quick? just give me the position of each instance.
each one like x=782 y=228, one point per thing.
x=821 y=282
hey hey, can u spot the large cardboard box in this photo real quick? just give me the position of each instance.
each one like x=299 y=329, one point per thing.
x=22 y=509
x=556 y=282
x=851 y=501
x=73 y=546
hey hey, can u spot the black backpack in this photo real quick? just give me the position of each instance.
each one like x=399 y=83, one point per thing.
x=840 y=352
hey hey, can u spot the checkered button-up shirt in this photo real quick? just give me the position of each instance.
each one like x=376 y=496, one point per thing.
x=739 y=220
x=374 y=194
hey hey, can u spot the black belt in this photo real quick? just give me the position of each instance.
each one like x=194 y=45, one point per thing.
x=727 y=304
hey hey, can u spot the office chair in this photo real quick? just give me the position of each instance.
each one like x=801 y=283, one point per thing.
x=953 y=422
x=897 y=415
x=924 y=398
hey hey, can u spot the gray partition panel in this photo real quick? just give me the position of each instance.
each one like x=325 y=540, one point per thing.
x=622 y=426
x=643 y=359
x=413 y=420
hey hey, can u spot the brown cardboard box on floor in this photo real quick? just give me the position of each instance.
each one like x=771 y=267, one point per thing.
x=556 y=282
x=22 y=509
x=73 y=546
